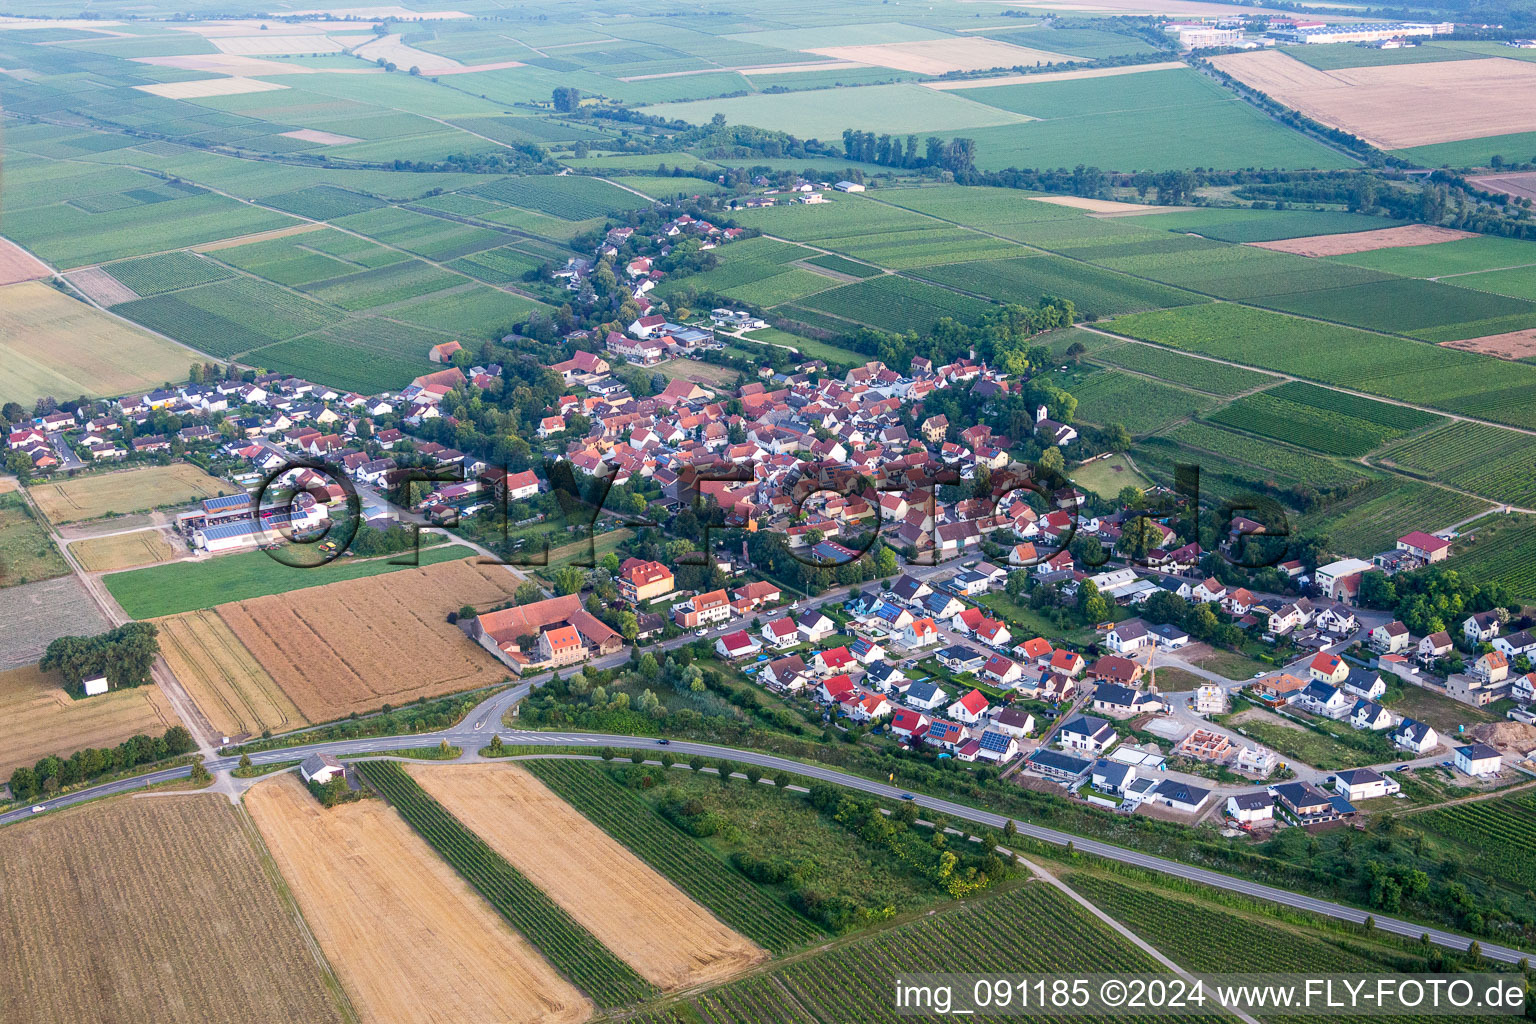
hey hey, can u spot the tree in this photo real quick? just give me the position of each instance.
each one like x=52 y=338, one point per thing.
x=19 y=465
x=1091 y=606
x=1052 y=461
x=1118 y=439
x=1137 y=538
x=566 y=99
x=527 y=593
x=569 y=579
x=199 y=774
x=245 y=762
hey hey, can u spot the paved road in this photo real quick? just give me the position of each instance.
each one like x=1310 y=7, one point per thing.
x=476 y=729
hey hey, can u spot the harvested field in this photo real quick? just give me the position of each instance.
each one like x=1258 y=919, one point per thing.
x=229 y=64
x=1521 y=186
x=38 y=718
x=936 y=56
x=17 y=265
x=1396 y=106
x=273 y=44
x=151 y=910
x=133 y=490
x=358 y=644
x=1102 y=205
x=1054 y=76
x=203 y=88
x=53 y=344
x=123 y=550
x=260 y=236
x=230 y=688
x=668 y=939
x=393 y=48
x=323 y=138
x=34 y=615
x=1514 y=345
x=409 y=938
x=1365 y=241
x=98 y=285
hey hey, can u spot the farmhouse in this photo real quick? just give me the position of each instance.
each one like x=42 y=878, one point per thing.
x=554 y=632
x=321 y=768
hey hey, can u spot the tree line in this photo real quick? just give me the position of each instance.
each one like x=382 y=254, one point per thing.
x=124 y=655
x=53 y=773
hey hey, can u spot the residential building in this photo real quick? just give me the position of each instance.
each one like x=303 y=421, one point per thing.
x=1250 y=809
x=1481 y=628
x=1391 y=638
x=706 y=609
x=1416 y=736
x=1180 y=796
x=1087 y=733
x=1364 y=784
x=1478 y=759
x=641 y=581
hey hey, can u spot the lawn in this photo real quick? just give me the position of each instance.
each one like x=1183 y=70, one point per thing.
x=1231 y=664
x=189 y=586
x=706 y=374
x=1105 y=477
x=1029 y=623
x=1442 y=712
x=1327 y=746
x=26 y=552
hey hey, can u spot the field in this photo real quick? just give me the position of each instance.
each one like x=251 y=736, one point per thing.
x=1399 y=106
x=678 y=857
x=193 y=926
x=17 y=265
x=878 y=108
x=1482 y=459
x=1198 y=374
x=55 y=345
x=34 y=615
x=1025 y=281
x=358 y=644
x=1341 y=747
x=123 y=550
x=188 y=586
x=666 y=937
x=1366 y=241
x=1381 y=365
x=1106 y=477
x=569 y=947
x=1326 y=421
x=896 y=304
x=1506 y=555
x=122 y=492
x=40 y=718
x=1484 y=252
x=705 y=374
x=229 y=687
x=26 y=552
x=408 y=938
x=1277 y=462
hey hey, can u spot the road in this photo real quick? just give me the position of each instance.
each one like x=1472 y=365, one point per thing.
x=483 y=722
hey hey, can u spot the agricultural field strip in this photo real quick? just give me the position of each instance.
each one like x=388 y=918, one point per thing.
x=568 y=946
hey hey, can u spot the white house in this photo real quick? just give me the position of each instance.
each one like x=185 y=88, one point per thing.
x=1363 y=784
x=737 y=645
x=1370 y=715
x=1481 y=628
x=918 y=633
x=1516 y=644
x=320 y=768
x=95 y=685
x=1087 y=733
x=1251 y=808
x=1391 y=638
x=926 y=696
x=1181 y=796
x=1418 y=737
x=970 y=708
x=814 y=627
x=1210 y=699
x=1364 y=683
x=1129 y=637
x=781 y=633
x=1478 y=759
x=1323 y=699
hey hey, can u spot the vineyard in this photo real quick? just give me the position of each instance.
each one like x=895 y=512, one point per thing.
x=383 y=285
x=1027 y=280
x=844 y=266
x=1200 y=374
x=1141 y=405
x=1475 y=457
x=1326 y=432
x=1406 y=305
x=571 y=197
x=735 y=900
x=1397 y=418
x=286 y=261
x=322 y=202
x=897 y=304
x=1495 y=836
x=1271 y=460
x=1373 y=517
x=155 y=275
x=568 y=946
x=1504 y=555
x=758 y=999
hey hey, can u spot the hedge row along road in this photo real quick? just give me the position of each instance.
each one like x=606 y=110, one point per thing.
x=477 y=727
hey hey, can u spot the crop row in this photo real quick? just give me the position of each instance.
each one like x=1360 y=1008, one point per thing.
x=572 y=197
x=1201 y=374
x=1275 y=461
x=1508 y=558
x=1500 y=834
x=1370 y=519
x=754 y=1000
x=897 y=304
x=567 y=945
x=735 y=900
x=1394 y=417
x=1476 y=457
x=1093 y=289
x=155 y=275
x=1140 y=405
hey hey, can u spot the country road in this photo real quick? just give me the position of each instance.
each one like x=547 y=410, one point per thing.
x=483 y=722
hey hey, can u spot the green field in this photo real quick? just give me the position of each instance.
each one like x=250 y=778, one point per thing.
x=231 y=316
x=896 y=304
x=1140 y=405
x=1187 y=371
x=1462 y=256
x=877 y=108
x=190 y=586
x=1426 y=309
x=1372 y=518
x=572 y=197
x=843 y=266
x=26 y=553
x=1324 y=420
x=1492 y=837
x=1475 y=457
x=1095 y=291
x=1504 y=552
x=168 y=272
x=1276 y=462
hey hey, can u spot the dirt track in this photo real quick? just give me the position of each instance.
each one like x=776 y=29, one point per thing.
x=668 y=939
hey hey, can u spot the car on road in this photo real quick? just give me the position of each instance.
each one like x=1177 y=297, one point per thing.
x=1401 y=768
x=908 y=796
x=663 y=743
x=700 y=632
x=39 y=808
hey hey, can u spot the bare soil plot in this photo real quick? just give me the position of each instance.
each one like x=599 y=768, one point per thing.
x=322 y=138
x=98 y=285
x=272 y=44
x=123 y=550
x=359 y=644
x=936 y=56
x=150 y=910
x=1401 y=105
x=1365 y=241
x=38 y=718
x=1514 y=345
x=1521 y=185
x=224 y=680
x=392 y=48
x=34 y=615
x=408 y=937
x=124 y=491
x=1101 y=205
x=648 y=922
x=53 y=344
x=17 y=265
x=206 y=87
x=1054 y=76
x=260 y=236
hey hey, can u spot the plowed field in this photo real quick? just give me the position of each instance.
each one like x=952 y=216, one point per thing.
x=359 y=644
